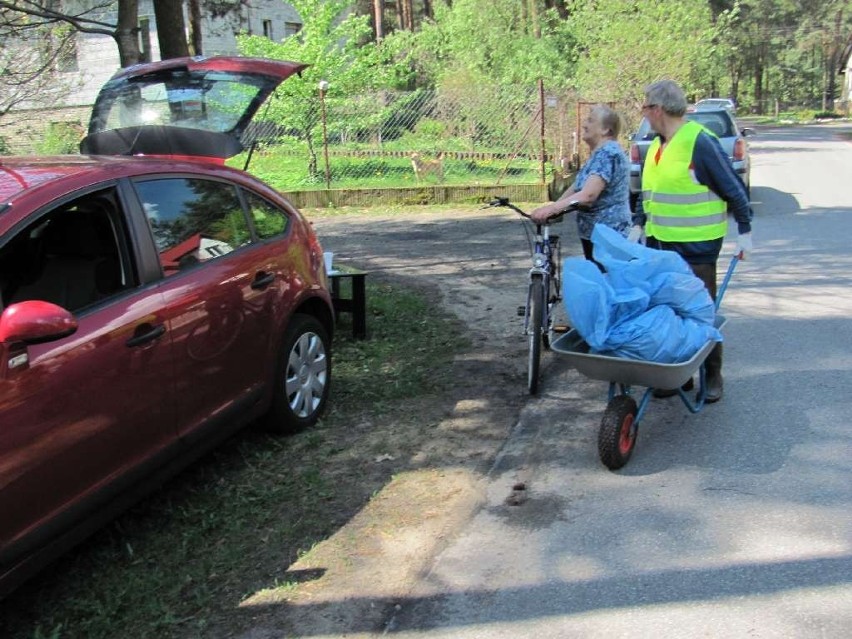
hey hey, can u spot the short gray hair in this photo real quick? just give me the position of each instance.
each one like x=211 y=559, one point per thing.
x=668 y=95
x=609 y=119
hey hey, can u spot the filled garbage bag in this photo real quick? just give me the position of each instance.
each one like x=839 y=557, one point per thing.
x=648 y=305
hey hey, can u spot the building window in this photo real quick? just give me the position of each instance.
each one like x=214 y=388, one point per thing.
x=145 y=40
x=291 y=28
x=267 y=29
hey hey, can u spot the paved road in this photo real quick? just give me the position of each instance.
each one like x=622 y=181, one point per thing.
x=735 y=522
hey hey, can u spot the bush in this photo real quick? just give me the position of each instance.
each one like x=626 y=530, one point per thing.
x=60 y=138
x=827 y=115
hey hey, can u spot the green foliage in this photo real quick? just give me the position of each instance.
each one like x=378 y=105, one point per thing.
x=627 y=44
x=60 y=138
x=490 y=42
x=430 y=129
x=336 y=44
x=4 y=146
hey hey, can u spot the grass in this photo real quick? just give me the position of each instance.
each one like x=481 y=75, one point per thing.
x=179 y=563
x=796 y=116
x=288 y=172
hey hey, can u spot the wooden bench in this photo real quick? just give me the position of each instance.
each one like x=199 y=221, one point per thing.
x=356 y=303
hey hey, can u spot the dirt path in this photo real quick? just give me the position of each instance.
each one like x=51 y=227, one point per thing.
x=473 y=263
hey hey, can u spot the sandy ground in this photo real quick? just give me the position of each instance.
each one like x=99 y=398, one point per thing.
x=473 y=262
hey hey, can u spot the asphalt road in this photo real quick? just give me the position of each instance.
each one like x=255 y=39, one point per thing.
x=734 y=522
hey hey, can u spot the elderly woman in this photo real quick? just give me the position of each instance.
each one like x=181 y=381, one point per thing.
x=602 y=183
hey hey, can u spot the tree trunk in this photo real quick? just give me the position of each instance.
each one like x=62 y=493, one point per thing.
x=834 y=61
x=379 y=19
x=171 y=29
x=536 y=25
x=126 y=33
x=408 y=14
x=195 y=35
x=758 y=86
x=560 y=7
x=399 y=11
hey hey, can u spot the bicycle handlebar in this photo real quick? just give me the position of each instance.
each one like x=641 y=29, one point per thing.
x=504 y=202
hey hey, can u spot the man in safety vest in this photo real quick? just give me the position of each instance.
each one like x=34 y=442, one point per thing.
x=688 y=188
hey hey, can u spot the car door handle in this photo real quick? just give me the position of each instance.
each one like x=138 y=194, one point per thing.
x=262 y=280
x=145 y=333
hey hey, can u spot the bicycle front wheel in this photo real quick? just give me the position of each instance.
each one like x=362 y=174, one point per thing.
x=536 y=302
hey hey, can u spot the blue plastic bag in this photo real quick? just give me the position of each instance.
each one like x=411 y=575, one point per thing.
x=648 y=305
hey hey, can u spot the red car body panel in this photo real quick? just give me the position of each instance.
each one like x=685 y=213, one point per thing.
x=87 y=412
x=85 y=409
x=182 y=346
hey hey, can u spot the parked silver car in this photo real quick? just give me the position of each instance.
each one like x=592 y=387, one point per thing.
x=718 y=121
x=717 y=103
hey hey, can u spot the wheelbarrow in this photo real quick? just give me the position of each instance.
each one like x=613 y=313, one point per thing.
x=620 y=423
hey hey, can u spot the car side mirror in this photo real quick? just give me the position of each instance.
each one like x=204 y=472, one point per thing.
x=35 y=321
x=746 y=131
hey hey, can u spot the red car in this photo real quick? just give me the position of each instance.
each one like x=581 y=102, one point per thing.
x=150 y=306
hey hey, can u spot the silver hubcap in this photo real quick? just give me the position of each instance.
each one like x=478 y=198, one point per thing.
x=307 y=375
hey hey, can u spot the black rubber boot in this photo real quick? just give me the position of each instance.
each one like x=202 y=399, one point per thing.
x=713 y=379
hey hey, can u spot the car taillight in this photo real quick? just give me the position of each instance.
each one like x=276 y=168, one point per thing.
x=634 y=154
x=739 y=149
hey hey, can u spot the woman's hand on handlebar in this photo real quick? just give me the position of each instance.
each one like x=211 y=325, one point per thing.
x=555 y=209
x=542 y=213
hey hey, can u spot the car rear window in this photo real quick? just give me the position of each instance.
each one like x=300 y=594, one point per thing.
x=209 y=100
x=715 y=122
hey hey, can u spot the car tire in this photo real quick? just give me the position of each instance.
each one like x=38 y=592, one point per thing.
x=302 y=376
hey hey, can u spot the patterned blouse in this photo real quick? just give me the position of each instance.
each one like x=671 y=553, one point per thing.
x=609 y=162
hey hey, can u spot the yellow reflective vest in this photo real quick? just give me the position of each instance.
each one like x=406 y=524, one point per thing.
x=678 y=208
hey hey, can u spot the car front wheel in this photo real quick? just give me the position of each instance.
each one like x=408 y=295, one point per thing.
x=302 y=376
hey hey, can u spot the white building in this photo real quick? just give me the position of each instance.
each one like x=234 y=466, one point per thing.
x=97 y=59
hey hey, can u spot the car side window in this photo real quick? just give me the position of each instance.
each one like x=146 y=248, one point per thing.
x=193 y=220
x=74 y=255
x=269 y=220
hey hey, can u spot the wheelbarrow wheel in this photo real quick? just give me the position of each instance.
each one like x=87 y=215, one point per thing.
x=617 y=435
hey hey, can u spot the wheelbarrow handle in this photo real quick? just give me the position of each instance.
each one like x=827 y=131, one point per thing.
x=724 y=287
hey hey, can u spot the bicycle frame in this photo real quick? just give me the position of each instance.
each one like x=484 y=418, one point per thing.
x=543 y=291
x=545 y=267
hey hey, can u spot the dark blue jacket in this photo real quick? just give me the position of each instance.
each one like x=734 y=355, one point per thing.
x=712 y=169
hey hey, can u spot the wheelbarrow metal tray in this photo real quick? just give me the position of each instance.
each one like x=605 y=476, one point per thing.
x=630 y=371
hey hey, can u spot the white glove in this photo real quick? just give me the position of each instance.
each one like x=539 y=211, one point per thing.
x=637 y=234
x=744 y=245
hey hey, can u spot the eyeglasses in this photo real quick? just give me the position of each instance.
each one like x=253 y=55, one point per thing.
x=649 y=106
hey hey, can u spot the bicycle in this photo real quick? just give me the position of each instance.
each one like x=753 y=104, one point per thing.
x=545 y=287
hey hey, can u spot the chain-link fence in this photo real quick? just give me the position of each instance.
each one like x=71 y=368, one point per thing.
x=467 y=136
x=471 y=136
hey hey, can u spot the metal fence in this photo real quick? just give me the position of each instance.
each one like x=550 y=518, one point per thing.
x=467 y=136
